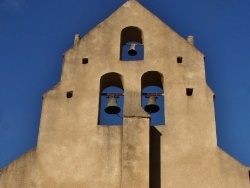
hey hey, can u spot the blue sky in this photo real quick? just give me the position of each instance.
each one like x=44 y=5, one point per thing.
x=35 y=34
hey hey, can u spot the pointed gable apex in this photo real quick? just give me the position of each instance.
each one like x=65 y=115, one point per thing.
x=132 y=13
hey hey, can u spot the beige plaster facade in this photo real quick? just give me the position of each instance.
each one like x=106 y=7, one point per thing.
x=74 y=151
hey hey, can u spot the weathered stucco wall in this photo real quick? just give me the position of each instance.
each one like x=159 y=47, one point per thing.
x=74 y=151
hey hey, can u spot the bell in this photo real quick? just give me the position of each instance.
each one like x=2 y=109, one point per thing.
x=152 y=107
x=132 y=51
x=112 y=107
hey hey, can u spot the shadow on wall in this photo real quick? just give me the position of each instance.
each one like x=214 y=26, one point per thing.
x=155 y=158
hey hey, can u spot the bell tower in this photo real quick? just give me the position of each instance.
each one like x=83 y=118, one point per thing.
x=132 y=110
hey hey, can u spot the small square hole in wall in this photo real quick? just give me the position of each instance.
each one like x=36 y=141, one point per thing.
x=179 y=59
x=189 y=91
x=69 y=94
x=85 y=60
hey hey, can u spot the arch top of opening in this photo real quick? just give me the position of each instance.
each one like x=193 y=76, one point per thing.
x=111 y=79
x=131 y=33
x=152 y=78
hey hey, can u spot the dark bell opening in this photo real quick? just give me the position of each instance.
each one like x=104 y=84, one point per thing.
x=112 y=110
x=132 y=52
x=152 y=108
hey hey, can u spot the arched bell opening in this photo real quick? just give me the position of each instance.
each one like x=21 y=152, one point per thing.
x=111 y=100
x=152 y=98
x=131 y=44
